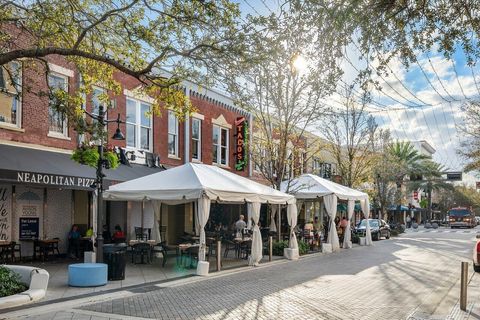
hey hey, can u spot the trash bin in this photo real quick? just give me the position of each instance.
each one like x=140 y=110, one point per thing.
x=115 y=256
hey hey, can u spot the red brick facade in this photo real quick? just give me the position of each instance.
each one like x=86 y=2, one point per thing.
x=35 y=130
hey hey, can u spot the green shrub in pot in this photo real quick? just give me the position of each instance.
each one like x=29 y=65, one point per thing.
x=10 y=283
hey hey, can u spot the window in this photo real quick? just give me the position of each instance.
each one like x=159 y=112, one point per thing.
x=322 y=169
x=97 y=100
x=196 y=139
x=57 y=121
x=220 y=145
x=10 y=93
x=172 y=134
x=315 y=166
x=302 y=162
x=139 y=125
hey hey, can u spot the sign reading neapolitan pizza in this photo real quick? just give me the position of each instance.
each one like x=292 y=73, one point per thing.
x=47 y=179
x=241 y=137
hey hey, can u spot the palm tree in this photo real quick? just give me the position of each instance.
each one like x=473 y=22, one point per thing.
x=432 y=173
x=408 y=161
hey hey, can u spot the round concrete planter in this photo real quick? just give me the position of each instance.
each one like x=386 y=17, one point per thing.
x=37 y=281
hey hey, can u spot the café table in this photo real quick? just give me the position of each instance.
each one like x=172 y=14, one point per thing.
x=183 y=250
x=45 y=246
x=239 y=242
x=142 y=253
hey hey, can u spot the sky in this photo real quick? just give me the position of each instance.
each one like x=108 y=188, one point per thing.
x=421 y=103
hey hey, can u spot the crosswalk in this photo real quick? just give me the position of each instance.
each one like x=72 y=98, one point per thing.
x=467 y=231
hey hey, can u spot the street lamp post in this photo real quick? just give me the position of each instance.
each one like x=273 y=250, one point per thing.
x=102 y=163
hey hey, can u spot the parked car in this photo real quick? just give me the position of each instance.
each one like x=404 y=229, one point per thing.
x=379 y=228
x=476 y=255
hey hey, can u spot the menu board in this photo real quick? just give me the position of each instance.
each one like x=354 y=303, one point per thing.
x=29 y=228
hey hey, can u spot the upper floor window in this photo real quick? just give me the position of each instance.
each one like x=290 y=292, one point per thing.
x=97 y=100
x=10 y=94
x=325 y=170
x=196 y=139
x=172 y=134
x=139 y=125
x=57 y=121
x=220 y=145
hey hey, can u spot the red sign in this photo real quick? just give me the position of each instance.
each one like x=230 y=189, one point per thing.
x=241 y=133
x=415 y=195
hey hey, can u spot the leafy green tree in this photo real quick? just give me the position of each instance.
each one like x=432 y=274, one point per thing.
x=388 y=29
x=460 y=196
x=470 y=147
x=431 y=181
x=408 y=161
x=140 y=38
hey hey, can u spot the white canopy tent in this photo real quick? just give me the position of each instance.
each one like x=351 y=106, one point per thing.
x=310 y=187
x=202 y=184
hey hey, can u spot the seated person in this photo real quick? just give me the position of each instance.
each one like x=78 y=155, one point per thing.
x=73 y=242
x=89 y=233
x=119 y=235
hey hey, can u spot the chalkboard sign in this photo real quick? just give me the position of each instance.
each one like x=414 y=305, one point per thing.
x=29 y=228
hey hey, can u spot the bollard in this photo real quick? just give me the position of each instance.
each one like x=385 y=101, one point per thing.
x=270 y=248
x=463 y=286
x=219 y=255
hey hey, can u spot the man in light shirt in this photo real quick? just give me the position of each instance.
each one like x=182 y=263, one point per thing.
x=240 y=224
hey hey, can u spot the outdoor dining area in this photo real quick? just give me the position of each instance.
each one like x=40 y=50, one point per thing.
x=201 y=185
x=234 y=222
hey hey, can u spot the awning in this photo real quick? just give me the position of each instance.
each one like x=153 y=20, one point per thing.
x=49 y=168
x=193 y=181
x=310 y=186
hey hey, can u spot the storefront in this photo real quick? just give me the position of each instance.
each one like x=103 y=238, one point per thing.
x=43 y=193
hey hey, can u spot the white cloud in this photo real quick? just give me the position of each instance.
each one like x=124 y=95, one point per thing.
x=438 y=121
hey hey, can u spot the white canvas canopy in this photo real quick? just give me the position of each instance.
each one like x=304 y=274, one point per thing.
x=309 y=187
x=193 y=181
x=202 y=184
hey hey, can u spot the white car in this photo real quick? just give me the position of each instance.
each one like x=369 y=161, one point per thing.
x=476 y=255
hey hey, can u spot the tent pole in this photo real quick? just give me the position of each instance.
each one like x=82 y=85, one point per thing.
x=279 y=218
x=143 y=202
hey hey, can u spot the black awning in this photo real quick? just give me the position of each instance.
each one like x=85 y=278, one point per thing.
x=33 y=166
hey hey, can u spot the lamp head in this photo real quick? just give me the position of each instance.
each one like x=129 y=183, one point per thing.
x=118 y=134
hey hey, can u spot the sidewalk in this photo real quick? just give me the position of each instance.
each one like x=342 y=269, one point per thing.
x=473 y=301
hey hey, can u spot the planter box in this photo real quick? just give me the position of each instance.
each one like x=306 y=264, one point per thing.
x=37 y=281
x=202 y=268
x=327 y=248
x=362 y=241
x=291 y=254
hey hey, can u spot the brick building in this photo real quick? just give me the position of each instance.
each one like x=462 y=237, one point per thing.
x=43 y=192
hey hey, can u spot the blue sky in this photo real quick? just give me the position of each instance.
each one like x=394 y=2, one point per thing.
x=421 y=103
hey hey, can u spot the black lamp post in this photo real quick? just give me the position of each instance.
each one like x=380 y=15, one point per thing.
x=102 y=163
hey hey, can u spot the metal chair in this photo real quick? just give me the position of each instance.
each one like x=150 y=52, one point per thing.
x=142 y=250
x=140 y=233
x=160 y=248
x=16 y=248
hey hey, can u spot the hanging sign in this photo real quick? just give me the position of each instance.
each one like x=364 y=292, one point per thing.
x=241 y=134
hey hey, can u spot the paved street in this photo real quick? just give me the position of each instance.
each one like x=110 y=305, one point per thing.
x=412 y=275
